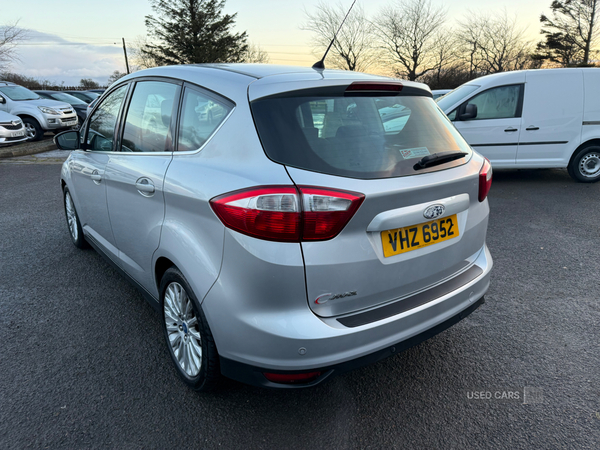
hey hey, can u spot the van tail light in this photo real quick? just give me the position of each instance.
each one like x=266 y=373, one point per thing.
x=287 y=213
x=485 y=179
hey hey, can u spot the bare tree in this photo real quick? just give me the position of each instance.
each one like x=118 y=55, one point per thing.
x=493 y=43
x=353 y=48
x=139 y=58
x=444 y=55
x=10 y=36
x=408 y=32
x=255 y=54
x=570 y=33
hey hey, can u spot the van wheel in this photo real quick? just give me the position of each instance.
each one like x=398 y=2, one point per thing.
x=190 y=342
x=585 y=165
x=33 y=129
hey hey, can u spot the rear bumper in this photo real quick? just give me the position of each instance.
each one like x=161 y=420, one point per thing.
x=252 y=375
x=261 y=320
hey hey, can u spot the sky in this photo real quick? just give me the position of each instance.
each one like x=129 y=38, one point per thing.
x=73 y=40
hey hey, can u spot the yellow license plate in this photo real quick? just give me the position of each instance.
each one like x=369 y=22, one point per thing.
x=402 y=240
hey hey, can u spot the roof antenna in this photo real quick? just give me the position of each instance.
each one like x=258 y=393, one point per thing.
x=321 y=64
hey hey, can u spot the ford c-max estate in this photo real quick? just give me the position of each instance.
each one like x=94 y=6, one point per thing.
x=298 y=234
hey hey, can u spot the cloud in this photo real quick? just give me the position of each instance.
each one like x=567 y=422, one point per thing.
x=50 y=57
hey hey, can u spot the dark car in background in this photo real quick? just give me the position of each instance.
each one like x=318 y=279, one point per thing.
x=86 y=96
x=79 y=106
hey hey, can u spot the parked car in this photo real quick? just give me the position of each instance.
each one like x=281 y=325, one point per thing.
x=547 y=118
x=288 y=240
x=437 y=93
x=12 y=129
x=91 y=106
x=86 y=96
x=78 y=105
x=97 y=91
x=38 y=115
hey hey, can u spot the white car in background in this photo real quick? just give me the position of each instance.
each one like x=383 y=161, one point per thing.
x=11 y=129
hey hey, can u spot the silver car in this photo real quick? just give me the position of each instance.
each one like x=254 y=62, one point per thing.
x=12 y=129
x=292 y=237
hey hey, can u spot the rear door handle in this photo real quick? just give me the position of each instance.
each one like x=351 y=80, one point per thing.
x=532 y=128
x=144 y=186
x=510 y=130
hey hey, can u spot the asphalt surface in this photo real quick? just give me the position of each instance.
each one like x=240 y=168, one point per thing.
x=83 y=363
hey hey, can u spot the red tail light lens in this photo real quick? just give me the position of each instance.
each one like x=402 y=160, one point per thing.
x=282 y=213
x=485 y=180
x=326 y=211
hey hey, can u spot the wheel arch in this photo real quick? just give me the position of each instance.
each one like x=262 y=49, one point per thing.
x=160 y=267
x=589 y=142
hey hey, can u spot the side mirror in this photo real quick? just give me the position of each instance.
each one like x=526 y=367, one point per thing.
x=2 y=100
x=467 y=112
x=67 y=140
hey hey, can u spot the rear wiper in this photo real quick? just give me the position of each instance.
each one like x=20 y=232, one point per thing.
x=438 y=158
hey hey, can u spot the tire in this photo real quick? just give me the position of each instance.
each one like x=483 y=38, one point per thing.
x=75 y=230
x=585 y=164
x=187 y=334
x=33 y=129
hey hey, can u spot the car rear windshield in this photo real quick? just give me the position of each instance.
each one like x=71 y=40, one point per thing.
x=355 y=136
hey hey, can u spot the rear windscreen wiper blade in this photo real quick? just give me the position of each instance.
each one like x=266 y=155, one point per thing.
x=438 y=158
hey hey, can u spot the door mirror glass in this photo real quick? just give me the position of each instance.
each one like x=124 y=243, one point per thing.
x=67 y=140
x=2 y=100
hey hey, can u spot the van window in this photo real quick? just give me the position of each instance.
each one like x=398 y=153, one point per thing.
x=502 y=102
x=355 y=136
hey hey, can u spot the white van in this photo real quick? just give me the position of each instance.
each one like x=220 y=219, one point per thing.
x=547 y=118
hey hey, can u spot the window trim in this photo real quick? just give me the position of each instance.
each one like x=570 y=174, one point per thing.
x=518 y=112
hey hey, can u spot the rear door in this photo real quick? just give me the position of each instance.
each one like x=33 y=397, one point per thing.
x=552 y=117
x=136 y=175
x=495 y=131
x=390 y=248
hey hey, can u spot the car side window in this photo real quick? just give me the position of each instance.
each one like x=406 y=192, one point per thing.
x=101 y=129
x=200 y=117
x=501 y=102
x=148 y=120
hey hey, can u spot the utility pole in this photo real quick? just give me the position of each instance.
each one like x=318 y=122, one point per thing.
x=125 y=52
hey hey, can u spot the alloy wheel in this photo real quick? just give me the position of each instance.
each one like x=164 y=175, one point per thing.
x=182 y=329
x=71 y=216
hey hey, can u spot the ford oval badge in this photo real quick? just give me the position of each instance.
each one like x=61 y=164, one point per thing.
x=434 y=211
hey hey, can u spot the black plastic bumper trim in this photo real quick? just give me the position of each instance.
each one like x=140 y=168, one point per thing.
x=415 y=301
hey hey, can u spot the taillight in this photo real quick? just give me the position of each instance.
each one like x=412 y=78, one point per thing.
x=485 y=179
x=286 y=213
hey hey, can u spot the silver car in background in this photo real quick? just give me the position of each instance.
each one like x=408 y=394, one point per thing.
x=298 y=233
x=12 y=129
